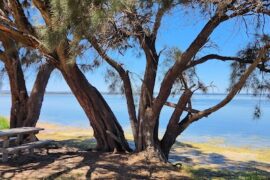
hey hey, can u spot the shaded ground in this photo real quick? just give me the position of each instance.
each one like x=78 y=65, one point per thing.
x=68 y=162
x=71 y=160
x=204 y=165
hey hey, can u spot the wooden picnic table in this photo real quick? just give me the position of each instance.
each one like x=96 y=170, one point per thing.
x=17 y=134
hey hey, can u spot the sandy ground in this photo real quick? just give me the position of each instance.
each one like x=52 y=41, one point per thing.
x=68 y=158
x=69 y=163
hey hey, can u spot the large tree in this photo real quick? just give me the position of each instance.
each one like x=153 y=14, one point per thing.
x=114 y=25
x=59 y=54
x=25 y=108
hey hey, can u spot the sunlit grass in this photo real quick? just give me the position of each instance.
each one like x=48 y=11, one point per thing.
x=211 y=173
x=4 y=123
x=232 y=152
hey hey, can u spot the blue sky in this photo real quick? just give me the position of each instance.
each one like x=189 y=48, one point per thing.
x=178 y=29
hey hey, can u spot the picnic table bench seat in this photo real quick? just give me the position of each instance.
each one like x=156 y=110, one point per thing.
x=28 y=146
x=14 y=145
x=12 y=140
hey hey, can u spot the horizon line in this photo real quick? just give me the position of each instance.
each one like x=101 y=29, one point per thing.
x=116 y=93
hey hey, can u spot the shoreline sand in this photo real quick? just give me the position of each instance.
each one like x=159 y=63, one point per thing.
x=60 y=132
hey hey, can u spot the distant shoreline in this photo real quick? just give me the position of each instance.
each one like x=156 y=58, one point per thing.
x=6 y=92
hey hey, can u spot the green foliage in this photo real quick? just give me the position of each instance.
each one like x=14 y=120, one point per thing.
x=4 y=123
x=258 y=83
x=29 y=57
x=114 y=82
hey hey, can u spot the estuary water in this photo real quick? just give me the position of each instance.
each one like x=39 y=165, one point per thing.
x=232 y=125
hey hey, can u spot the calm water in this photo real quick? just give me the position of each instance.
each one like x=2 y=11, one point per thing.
x=234 y=124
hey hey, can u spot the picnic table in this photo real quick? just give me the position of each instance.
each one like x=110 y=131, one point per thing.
x=16 y=135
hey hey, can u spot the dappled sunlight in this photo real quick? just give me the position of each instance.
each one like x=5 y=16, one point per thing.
x=204 y=160
x=69 y=162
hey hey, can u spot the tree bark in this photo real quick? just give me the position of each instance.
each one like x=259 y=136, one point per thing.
x=175 y=127
x=25 y=110
x=146 y=98
x=107 y=130
x=127 y=86
x=19 y=96
x=35 y=100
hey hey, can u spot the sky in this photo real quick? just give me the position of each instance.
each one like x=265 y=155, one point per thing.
x=178 y=29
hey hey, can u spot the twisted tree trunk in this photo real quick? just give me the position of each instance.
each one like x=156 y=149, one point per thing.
x=107 y=130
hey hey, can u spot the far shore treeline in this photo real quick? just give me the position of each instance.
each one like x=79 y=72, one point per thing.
x=75 y=37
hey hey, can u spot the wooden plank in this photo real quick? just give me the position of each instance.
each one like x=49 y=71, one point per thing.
x=23 y=130
x=5 y=157
x=5 y=146
x=32 y=139
x=11 y=140
x=6 y=142
x=19 y=139
x=28 y=146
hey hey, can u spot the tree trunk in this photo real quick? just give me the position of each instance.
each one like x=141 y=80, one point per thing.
x=18 y=91
x=146 y=97
x=107 y=130
x=175 y=125
x=25 y=110
x=35 y=101
x=149 y=136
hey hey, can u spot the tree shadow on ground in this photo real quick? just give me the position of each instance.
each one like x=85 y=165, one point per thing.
x=70 y=159
x=213 y=165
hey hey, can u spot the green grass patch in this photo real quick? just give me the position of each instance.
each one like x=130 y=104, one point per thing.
x=4 y=123
x=207 y=173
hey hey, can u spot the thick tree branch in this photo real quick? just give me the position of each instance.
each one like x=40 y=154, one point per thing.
x=216 y=57
x=235 y=89
x=174 y=105
x=5 y=20
x=126 y=81
x=37 y=94
x=28 y=40
x=44 y=9
x=226 y=58
x=180 y=107
x=3 y=56
x=20 y=18
x=20 y=36
x=180 y=65
x=173 y=128
x=186 y=57
x=160 y=13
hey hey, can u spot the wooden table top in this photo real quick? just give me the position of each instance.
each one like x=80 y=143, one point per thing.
x=16 y=131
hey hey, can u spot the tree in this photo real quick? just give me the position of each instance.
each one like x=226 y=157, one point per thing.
x=107 y=131
x=116 y=25
x=25 y=108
